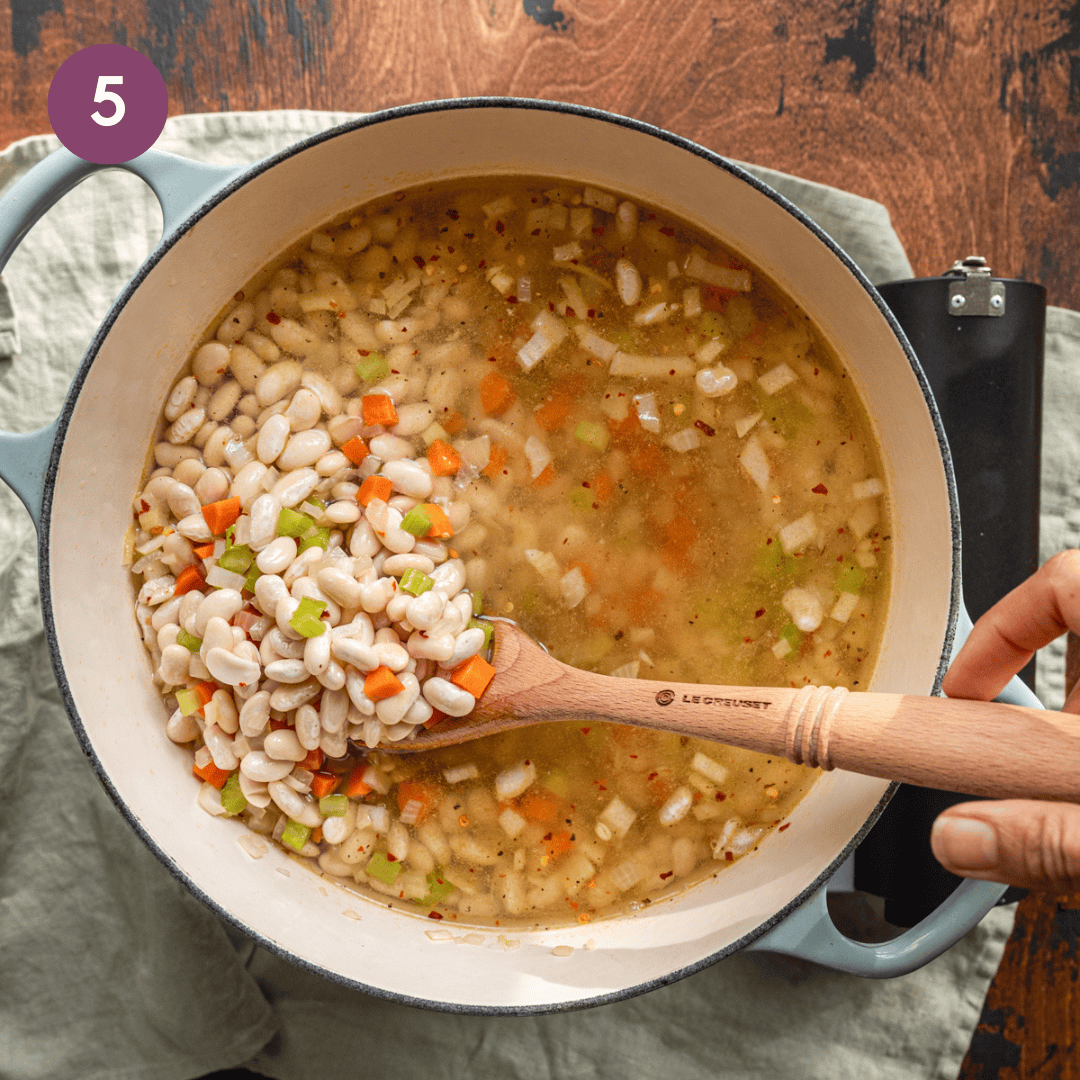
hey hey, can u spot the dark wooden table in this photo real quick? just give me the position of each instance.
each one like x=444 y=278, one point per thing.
x=961 y=116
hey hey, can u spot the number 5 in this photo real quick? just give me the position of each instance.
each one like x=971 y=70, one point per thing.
x=102 y=93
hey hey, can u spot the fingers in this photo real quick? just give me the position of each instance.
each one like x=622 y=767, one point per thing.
x=1006 y=637
x=1035 y=845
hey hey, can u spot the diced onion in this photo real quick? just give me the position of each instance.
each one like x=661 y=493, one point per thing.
x=797 y=534
x=573 y=587
x=602 y=200
x=844 y=607
x=709 y=767
x=543 y=562
x=540 y=457
x=743 y=425
x=566 y=252
x=775 y=379
x=648 y=412
x=651 y=367
x=864 y=489
x=754 y=461
x=804 y=608
x=685 y=440
x=700 y=268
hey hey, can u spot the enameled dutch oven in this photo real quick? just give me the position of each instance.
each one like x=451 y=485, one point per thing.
x=222 y=225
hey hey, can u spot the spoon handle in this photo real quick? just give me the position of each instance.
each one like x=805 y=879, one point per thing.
x=982 y=748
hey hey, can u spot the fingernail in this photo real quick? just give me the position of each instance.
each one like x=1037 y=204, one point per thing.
x=965 y=843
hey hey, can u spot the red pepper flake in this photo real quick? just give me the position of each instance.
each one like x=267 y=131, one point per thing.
x=667 y=230
x=273 y=317
x=482 y=264
x=705 y=427
x=511 y=299
x=760 y=611
x=391 y=858
x=398 y=196
x=570 y=313
x=434 y=915
x=551 y=306
x=748 y=641
x=729 y=856
x=653 y=775
x=585 y=730
x=598 y=230
x=536 y=232
x=435 y=258
x=664 y=877
x=238 y=296
x=769 y=541
x=821 y=489
x=591 y=313
x=720 y=796
x=499 y=226
x=786 y=825
x=452 y=214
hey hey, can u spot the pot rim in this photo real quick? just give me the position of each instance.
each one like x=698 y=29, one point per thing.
x=168 y=241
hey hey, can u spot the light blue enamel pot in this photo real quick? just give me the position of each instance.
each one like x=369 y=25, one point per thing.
x=78 y=476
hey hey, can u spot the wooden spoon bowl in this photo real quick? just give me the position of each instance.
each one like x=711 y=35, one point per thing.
x=978 y=747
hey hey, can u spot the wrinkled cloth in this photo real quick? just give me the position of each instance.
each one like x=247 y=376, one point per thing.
x=110 y=969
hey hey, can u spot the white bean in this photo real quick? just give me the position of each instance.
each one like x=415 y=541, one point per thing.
x=391 y=655
x=431 y=647
x=253 y=791
x=408 y=477
x=448 y=698
x=304 y=411
x=294 y=487
x=181 y=728
x=212 y=486
x=398 y=564
x=223 y=400
x=247 y=485
x=293 y=805
x=277 y=556
x=246 y=367
x=287 y=698
x=265 y=511
x=391 y=710
x=335 y=709
x=220 y=747
x=304 y=448
x=317 y=654
x=283 y=745
x=364 y=541
x=627 y=282
x=173 y=668
x=412 y=419
x=185 y=426
x=224 y=603
x=277 y=382
x=257 y=766
x=469 y=643
x=287 y=671
x=354 y=687
x=330 y=400
x=180 y=397
x=236 y=323
x=272 y=438
x=255 y=714
x=308 y=728
x=390 y=447
x=228 y=668
x=449 y=578
x=425 y=610
x=217 y=635
x=210 y=363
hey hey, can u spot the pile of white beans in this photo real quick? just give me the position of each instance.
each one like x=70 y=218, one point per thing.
x=267 y=437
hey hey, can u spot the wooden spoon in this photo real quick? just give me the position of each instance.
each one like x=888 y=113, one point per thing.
x=984 y=748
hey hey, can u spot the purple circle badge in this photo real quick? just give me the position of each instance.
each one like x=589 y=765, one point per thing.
x=108 y=104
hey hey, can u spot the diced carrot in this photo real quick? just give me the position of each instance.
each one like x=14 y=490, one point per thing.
x=440 y=523
x=553 y=412
x=496 y=462
x=355 y=449
x=602 y=487
x=421 y=791
x=559 y=844
x=278 y=725
x=220 y=515
x=378 y=409
x=715 y=297
x=625 y=432
x=435 y=718
x=374 y=487
x=382 y=683
x=316 y=835
x=496 y=394
x=355 y=787
x=473 y=675
x=643 y=602
x=313 y=761
x=586 y=572
x=681 y=533
x=323 y=784
x=191 y=577
x=540 y=805
x=203 y=551
x=453 y=423
x=214 y=776
x=547 y=474
x=647 y=459
x=757 y=335
x=206 y=690
x=443 y=458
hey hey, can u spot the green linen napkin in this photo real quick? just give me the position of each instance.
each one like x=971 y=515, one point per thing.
x=108 y=968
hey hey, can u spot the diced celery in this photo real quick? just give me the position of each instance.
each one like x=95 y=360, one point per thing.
x=416 y=582
x=291 y=523
x=529 y=601
x=556 y=781
x=712 y=324
x=253 y=575
x=333 y=805
x=792 y=635
x=237 y=559
x=232 y=798
x=622 y=338
x=433 y=432
x=382 y=869
x=316 y=536
x=851 y=579
x=771 y=562
x=477 y=602
x=592 y=434
x=295 y=835
x=580 y=498
x=373 y=368
x=489 y=630
x=417 y=521
x=188 y=700
x=306 y=621
x=189 y=641
x=230 y=535
x=438 y=889
x=315 y=501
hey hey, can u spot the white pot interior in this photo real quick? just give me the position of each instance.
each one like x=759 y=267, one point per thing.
x=108 y=671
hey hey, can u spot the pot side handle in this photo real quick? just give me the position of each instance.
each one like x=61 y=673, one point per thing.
x=180 y=185
x=810 y=934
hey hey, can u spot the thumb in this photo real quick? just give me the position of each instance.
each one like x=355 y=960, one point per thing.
x=1035 y=845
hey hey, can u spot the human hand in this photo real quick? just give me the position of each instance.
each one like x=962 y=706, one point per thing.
x=1035 y=845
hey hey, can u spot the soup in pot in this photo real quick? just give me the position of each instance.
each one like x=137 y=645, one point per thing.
x=503 y=397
